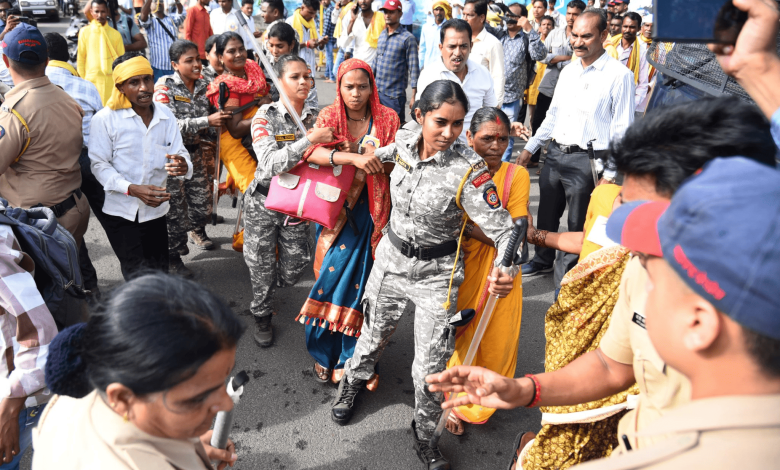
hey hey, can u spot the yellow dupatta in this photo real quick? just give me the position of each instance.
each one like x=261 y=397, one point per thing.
x=375 y=28
x=299 y=23
x=344 y=10
x=63 y=65
x=633 y=58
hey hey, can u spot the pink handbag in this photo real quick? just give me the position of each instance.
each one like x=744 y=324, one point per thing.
x=311 y=192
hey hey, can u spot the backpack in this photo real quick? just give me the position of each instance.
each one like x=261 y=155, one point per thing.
x=51 y=247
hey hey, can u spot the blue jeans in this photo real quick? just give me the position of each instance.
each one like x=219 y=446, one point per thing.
x=511 y=110
x=396 y=104
x=329 y=62
x=28 y=419
x=160 y=73
x=339 y=60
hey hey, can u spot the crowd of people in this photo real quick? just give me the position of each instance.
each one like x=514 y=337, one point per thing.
x=662 y=344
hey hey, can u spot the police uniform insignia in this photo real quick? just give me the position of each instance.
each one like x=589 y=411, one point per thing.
x=161 y=98
x=182 y=99
x=491 y=197
x=481 y=179
x=260 y=121
x=232 y=26
x=160 y=88
x=285 y=137
x=478 y=166
x=401 y=162
x=2 y=132
x=259 y=133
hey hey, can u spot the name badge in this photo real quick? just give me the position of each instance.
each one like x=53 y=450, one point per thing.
x=401 y=162
x=639 y=320
x=285 y=137
x=183 y=99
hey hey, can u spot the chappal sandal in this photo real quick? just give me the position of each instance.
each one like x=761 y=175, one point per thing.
x=455 y=425
x=521 y=441
x=321 y=374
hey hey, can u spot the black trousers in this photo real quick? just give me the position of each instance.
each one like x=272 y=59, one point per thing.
x=540 y=112
x=138 y=245
x=95 y=195
x=566 y=179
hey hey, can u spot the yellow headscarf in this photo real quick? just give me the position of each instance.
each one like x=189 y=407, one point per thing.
x=299 y=23
x=123 y=72
x=633 y=58
x=444 y=5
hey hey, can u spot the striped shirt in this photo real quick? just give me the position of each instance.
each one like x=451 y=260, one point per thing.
x=595 y=102
x=83 y=91
x=26 y=324
x=159 y=40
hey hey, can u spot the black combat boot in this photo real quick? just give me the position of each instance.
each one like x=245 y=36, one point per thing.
x=264 y=332
x=341 y=410
x=430 y=456
x=176 y=266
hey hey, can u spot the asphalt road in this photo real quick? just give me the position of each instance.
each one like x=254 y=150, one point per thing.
x=283 y=420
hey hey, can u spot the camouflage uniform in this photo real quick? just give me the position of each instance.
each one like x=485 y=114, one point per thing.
x=265 y=230
x=208 y=73
x=191 y=200
x=424 y=212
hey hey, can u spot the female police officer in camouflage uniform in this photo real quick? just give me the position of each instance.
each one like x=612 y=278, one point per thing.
x=414 y=262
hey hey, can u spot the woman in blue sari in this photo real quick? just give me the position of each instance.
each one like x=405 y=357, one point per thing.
x=333 y=313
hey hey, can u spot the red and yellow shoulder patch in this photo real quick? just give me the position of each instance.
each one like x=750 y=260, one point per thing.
x=160 y=88
x=161 y=98
x=259 y=133
x=481 y=179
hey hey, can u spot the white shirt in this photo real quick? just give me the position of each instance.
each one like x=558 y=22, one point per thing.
x=123 y=151
x=478 y=86
x=596 y=102
x=488 y=51
x=219 y=20
x=357 y=38
x=304 y=52
x=560 y=20
x=644 y=71
x=232 y=24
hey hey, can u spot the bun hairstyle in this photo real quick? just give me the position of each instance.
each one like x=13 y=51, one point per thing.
x=153 y=333
x=439 y=92
x=281 y=64
x=488 y=114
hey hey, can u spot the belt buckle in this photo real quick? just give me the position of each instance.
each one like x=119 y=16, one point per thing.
x=408 y=249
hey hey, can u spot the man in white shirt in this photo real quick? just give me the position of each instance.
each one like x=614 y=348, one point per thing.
x=219 y=16
x=559 y=19
x=232 y=23
x=486 y=49
x=134 y=146
x=627 y=48
x=593 y=101
x=356 y=24
x=455 y=65
x=309 y=42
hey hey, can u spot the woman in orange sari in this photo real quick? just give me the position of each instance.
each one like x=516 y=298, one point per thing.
x=489 y=137
x=247 y=86
x=333 y=314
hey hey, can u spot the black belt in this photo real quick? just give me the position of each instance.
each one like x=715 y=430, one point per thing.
x=569 y=149
x=262 y=190
x=423 y=253
x=66 y=205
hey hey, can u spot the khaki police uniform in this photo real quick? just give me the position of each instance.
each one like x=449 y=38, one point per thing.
x=40 y=144
x=731 y=432
x=626 y=341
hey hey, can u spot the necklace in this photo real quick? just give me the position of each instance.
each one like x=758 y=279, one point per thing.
x=227 y=71
x=358 y=120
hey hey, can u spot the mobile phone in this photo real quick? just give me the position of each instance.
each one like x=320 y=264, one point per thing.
x=700 y=21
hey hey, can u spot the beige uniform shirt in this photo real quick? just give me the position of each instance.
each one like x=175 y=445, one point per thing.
x=48 y=171
x=81 y=434
x=626 y=341
x=733 y=432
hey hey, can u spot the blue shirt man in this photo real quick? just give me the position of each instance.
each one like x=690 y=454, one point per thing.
x=396 y=60
x=407 y=16
x=430 y=36
x=162 y=30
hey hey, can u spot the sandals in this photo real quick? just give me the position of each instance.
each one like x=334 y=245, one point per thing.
x=453 y=422
x=521 y=441
x=321 y=374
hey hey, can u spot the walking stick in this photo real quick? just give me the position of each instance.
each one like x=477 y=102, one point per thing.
x=592 y=158
x=516 y=238
x=269 y=69
x=224 y=420
x=224 y=93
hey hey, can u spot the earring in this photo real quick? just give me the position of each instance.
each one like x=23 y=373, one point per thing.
x=125 y=418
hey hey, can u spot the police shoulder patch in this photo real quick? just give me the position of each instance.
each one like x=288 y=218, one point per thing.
x=476 y=166
x=162 y=98
x=259 y=133
x=491 y=197
x=160 y=88
x=260 y=121
x=481 y=179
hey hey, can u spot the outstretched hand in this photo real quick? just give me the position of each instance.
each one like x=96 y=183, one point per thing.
x=481 y=387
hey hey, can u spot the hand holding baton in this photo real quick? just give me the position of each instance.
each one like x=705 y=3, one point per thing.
x=516 y=239
x=224 y=420
x=592 y=157
x=224 y=94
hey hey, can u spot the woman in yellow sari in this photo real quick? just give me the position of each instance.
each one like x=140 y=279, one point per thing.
x=247 y=86
x=489 y=137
